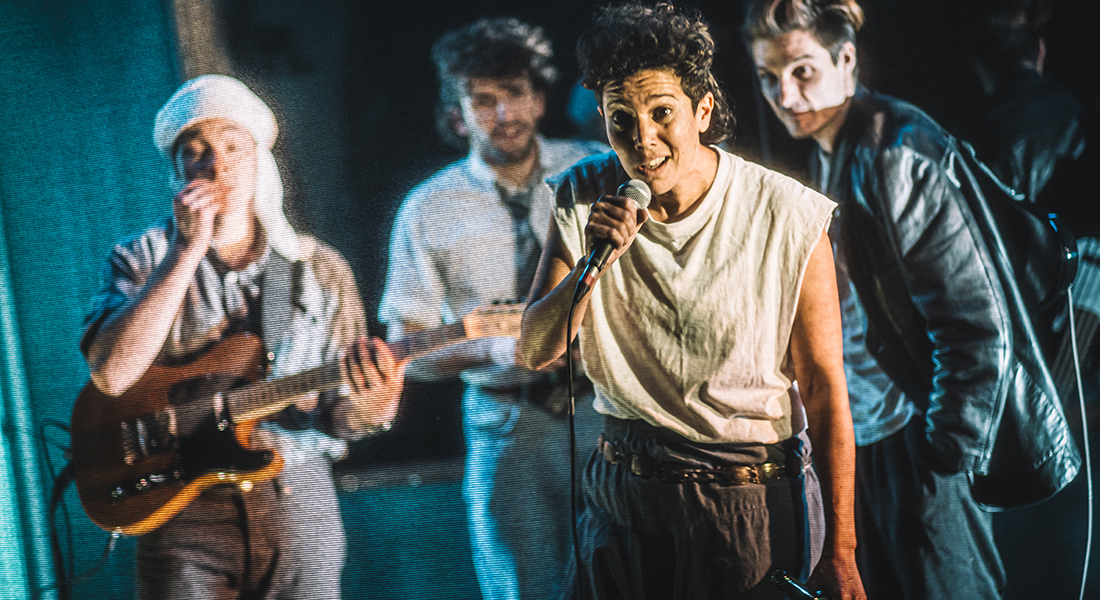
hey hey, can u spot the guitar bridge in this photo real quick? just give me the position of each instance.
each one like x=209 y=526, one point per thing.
x=144 y=484
x=148 y=435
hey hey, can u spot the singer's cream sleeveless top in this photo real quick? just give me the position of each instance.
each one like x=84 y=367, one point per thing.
x=689 y=329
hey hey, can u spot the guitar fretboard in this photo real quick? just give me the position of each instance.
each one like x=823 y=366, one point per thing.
x=265 y=398
x=420 y=342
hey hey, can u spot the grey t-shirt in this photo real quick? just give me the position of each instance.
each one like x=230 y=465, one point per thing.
x=879 y=408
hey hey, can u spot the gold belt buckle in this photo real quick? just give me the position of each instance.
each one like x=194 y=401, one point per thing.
x=767 y=472
x=746 y=474
x=742 y=474
x=752 y=474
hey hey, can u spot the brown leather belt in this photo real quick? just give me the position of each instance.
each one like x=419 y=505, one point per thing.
x=644 y=466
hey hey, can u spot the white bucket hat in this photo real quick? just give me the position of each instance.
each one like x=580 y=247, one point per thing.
x=221 y=97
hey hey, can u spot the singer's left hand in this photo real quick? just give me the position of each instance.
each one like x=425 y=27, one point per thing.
x=616 y=219
x=838 y=577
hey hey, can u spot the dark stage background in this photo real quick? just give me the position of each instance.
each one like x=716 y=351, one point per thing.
x=355 y=91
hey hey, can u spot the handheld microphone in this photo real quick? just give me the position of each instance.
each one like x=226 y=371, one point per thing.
x=637 y=191
x=793 y=588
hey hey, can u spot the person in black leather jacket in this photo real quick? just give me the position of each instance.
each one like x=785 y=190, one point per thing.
x=953 y=409
x=1028 y=124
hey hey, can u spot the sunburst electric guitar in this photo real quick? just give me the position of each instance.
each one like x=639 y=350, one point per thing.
x=141 y=457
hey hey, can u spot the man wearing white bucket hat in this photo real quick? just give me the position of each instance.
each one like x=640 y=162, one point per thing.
x=227 y=262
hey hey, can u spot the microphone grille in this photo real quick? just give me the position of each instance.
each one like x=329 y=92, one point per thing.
x=637 y=191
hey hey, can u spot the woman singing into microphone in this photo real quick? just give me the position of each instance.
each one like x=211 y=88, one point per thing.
x=712 y=335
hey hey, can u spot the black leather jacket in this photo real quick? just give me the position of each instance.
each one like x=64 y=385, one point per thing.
x=940 y=322
x=1029 y=126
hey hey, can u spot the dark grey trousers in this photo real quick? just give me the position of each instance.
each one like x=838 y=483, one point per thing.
x=643 y=539
x=921 y=535
x=224 y=545
x=284 y=540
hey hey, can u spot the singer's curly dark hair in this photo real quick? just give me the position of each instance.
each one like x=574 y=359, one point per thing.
x=490 y=47
x=634 y=37
x=831 y=22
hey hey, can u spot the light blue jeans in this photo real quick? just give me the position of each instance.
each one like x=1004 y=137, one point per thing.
x=516 y=488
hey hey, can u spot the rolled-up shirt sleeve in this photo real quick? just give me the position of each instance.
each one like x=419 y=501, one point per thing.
x=414 y=289
x=122 y=278
x=346 y=322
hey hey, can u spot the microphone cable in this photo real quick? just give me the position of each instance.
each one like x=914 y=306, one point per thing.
x=573 y=446
x=1085 y=440
x=637 y=191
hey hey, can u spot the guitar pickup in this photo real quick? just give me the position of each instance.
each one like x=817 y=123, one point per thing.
x=148 y=435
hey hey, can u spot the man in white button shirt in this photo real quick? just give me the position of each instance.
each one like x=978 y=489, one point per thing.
x=471 y=235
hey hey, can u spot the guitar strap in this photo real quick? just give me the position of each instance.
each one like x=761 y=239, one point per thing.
x=277 y=302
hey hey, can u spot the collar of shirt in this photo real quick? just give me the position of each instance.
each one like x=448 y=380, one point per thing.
x=236 y=283
x=248 y=273
x=481 y=172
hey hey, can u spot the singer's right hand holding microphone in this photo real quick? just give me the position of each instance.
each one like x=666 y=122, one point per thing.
x=616 y=219
x=560 y=289
x=612 y=224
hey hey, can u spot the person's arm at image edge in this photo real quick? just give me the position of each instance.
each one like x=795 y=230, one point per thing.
x=817 y=354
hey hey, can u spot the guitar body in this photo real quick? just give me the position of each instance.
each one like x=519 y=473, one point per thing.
x=141 y=457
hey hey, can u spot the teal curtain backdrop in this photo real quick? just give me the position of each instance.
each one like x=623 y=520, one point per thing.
x=13 y=410
x=80 y=82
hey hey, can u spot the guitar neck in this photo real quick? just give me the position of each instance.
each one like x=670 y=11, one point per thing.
x=266 y=398
x=425 y=341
